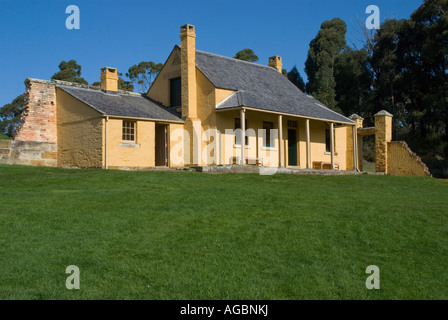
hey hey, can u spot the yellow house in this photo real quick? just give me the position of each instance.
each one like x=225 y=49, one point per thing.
x=203 y=109
x=241 y=112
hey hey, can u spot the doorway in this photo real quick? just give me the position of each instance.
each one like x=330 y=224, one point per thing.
x=366 y=153
x=292 y=147
x=161 y=143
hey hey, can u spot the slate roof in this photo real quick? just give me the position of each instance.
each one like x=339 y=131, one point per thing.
x=261 y=87
x=122 y=104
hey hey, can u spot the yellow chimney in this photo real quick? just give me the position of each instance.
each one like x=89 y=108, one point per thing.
x=109 y=79
x=359 y=121
x=383 y=135
x=276 y=62
x=188 y=70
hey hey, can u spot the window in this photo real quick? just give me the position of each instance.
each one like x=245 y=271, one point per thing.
x=268 y=126
x=237 y=136
x=129 y=131
x=328 y=141
x=175 y=93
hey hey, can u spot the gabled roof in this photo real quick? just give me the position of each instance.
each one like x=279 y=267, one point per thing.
x=122 y=104
x=261 y=87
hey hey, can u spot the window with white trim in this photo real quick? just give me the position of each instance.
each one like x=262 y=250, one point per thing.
x=129 y=131
x=268 y=126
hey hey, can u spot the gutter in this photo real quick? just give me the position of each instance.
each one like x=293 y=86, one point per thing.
x=144 y=119
x=351 y=123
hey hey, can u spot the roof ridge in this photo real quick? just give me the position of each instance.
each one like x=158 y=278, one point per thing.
x=98 y=89
x=77 y=85
x=237 y=60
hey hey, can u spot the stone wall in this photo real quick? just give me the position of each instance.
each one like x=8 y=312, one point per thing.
x=402 y=161
x=28 y=153
x=5 y=151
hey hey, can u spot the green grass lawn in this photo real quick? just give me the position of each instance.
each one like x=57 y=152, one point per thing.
x=3 y=136
x=187 y=235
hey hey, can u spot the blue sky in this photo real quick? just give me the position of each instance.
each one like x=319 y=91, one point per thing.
x=34 y=39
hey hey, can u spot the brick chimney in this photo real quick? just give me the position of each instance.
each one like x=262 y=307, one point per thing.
x=39 y=119
x=188 y=70
x=109 y=79
x=276 y=63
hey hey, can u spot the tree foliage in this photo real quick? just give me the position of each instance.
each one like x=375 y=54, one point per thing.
x=11 y=115
x=319 y=66
x=353 y=80
x=124 y=85
x=69 y=71
x=421 y=68
x=403 y=68
x=246 y=55
x=295 y=77
x=406 y=73
x=143 y=74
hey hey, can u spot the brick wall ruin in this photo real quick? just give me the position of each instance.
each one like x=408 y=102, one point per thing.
x=402 y=161
x=35 y=140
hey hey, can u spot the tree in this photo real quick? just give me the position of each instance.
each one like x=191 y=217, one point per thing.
x=246 y=55
x=409 y=62
x=384 y=65
x=319 y=66
x=143 y=74
x=124 y=85
x=11 y=115
x=422 y=59
x=353 y=82
x=69 y=71
x=402 y=68
x=295 y=77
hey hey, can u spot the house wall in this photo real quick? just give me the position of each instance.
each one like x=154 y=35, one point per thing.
x=255 y=148
x=341 y=147
x=317 y=144
x=79 y=133
x=160 y=90
x=176 y=143
x=221 y=94
x=349 y=148
x=138 y=155
x=206 y=103
x=204 y=118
